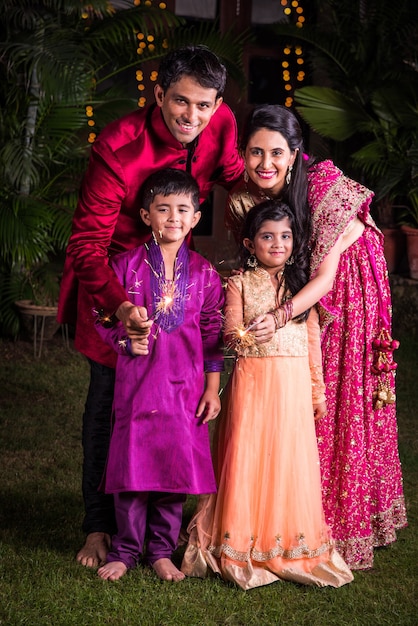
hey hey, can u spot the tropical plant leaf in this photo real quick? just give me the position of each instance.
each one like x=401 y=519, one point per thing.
x=330 y=113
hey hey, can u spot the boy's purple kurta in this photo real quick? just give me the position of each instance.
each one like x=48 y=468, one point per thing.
x=157 y=442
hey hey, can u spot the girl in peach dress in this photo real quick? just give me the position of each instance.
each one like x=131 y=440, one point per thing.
x=266 y=522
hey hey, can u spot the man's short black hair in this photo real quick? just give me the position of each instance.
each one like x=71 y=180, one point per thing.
x=198 y=62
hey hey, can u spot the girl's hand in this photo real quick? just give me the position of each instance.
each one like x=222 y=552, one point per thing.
x=264 y=328
x=319 y=410
x=209 y=406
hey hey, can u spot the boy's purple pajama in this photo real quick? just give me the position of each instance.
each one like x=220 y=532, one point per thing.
x=154 y=517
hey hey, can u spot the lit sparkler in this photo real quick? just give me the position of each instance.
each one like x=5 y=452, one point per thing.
x=167 y=301
x=241 y=339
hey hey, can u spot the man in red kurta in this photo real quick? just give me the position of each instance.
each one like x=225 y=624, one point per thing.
x=189 y=128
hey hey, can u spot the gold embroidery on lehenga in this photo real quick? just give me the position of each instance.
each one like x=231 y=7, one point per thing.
x=299 y=551
x=334 y=206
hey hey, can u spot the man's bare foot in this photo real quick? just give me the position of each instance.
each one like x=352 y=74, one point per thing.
x=95 y=550
x=112 y=571
x=166 y=570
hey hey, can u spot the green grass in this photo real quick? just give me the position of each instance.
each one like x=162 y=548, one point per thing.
x=41 y=511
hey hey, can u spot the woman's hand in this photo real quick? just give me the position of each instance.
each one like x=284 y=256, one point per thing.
x=320 y=410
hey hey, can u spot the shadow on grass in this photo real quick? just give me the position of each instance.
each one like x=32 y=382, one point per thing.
x=29 y=519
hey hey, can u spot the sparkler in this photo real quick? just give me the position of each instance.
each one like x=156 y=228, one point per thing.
x=241 y=332
x=166 y=301
x=250 y=327
x=241 y=339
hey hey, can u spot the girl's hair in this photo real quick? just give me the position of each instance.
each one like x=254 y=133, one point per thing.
x=198 y=62
x=295 y=275
x=279 y=119
x=169 y=181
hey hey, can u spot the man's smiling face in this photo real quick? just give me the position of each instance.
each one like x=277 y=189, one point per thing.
x=187 y=107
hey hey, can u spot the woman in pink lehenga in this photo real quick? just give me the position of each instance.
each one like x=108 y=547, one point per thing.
x=361 y=472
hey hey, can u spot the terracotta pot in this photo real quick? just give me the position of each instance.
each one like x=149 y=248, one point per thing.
x=394 y=248
x=412 y=250
x=37 y=317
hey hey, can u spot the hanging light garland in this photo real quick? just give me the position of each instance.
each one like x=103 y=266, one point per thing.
x=292 y=9
x=145 y=43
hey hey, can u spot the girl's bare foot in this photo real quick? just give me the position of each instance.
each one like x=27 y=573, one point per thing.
x=112 y=571
x=166 y=570
x=95 y=550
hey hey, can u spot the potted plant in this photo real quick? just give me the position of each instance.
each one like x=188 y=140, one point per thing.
x=409 y=226
x=365 y=59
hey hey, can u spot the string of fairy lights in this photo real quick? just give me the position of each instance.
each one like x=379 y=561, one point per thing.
x=291 y=8
x=147 y=42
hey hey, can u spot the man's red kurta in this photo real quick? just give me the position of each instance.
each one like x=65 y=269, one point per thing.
x=107 y=219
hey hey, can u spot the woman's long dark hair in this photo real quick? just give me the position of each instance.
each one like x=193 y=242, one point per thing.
x=279 y=119
x=295 y=275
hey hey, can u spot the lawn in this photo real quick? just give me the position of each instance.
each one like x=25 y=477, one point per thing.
x=41 y=511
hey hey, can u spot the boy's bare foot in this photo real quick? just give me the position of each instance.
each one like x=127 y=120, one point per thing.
x=166 y=570
x=95 y=550
x=112 y=571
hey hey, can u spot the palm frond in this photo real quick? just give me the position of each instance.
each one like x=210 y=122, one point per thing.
x=228 y=46
x=330 y=113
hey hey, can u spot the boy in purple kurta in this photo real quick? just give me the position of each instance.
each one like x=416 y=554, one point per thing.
x=159 y=449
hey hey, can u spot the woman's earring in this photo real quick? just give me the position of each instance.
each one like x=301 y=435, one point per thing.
x=291 y=260
x=252 y=261
x=289 y=175
x=246 y=177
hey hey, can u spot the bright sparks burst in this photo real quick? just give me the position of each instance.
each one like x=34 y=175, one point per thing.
x=166 y=302
x=241 y=340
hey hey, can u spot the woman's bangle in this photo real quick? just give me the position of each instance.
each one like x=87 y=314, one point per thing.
x=282 y=314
